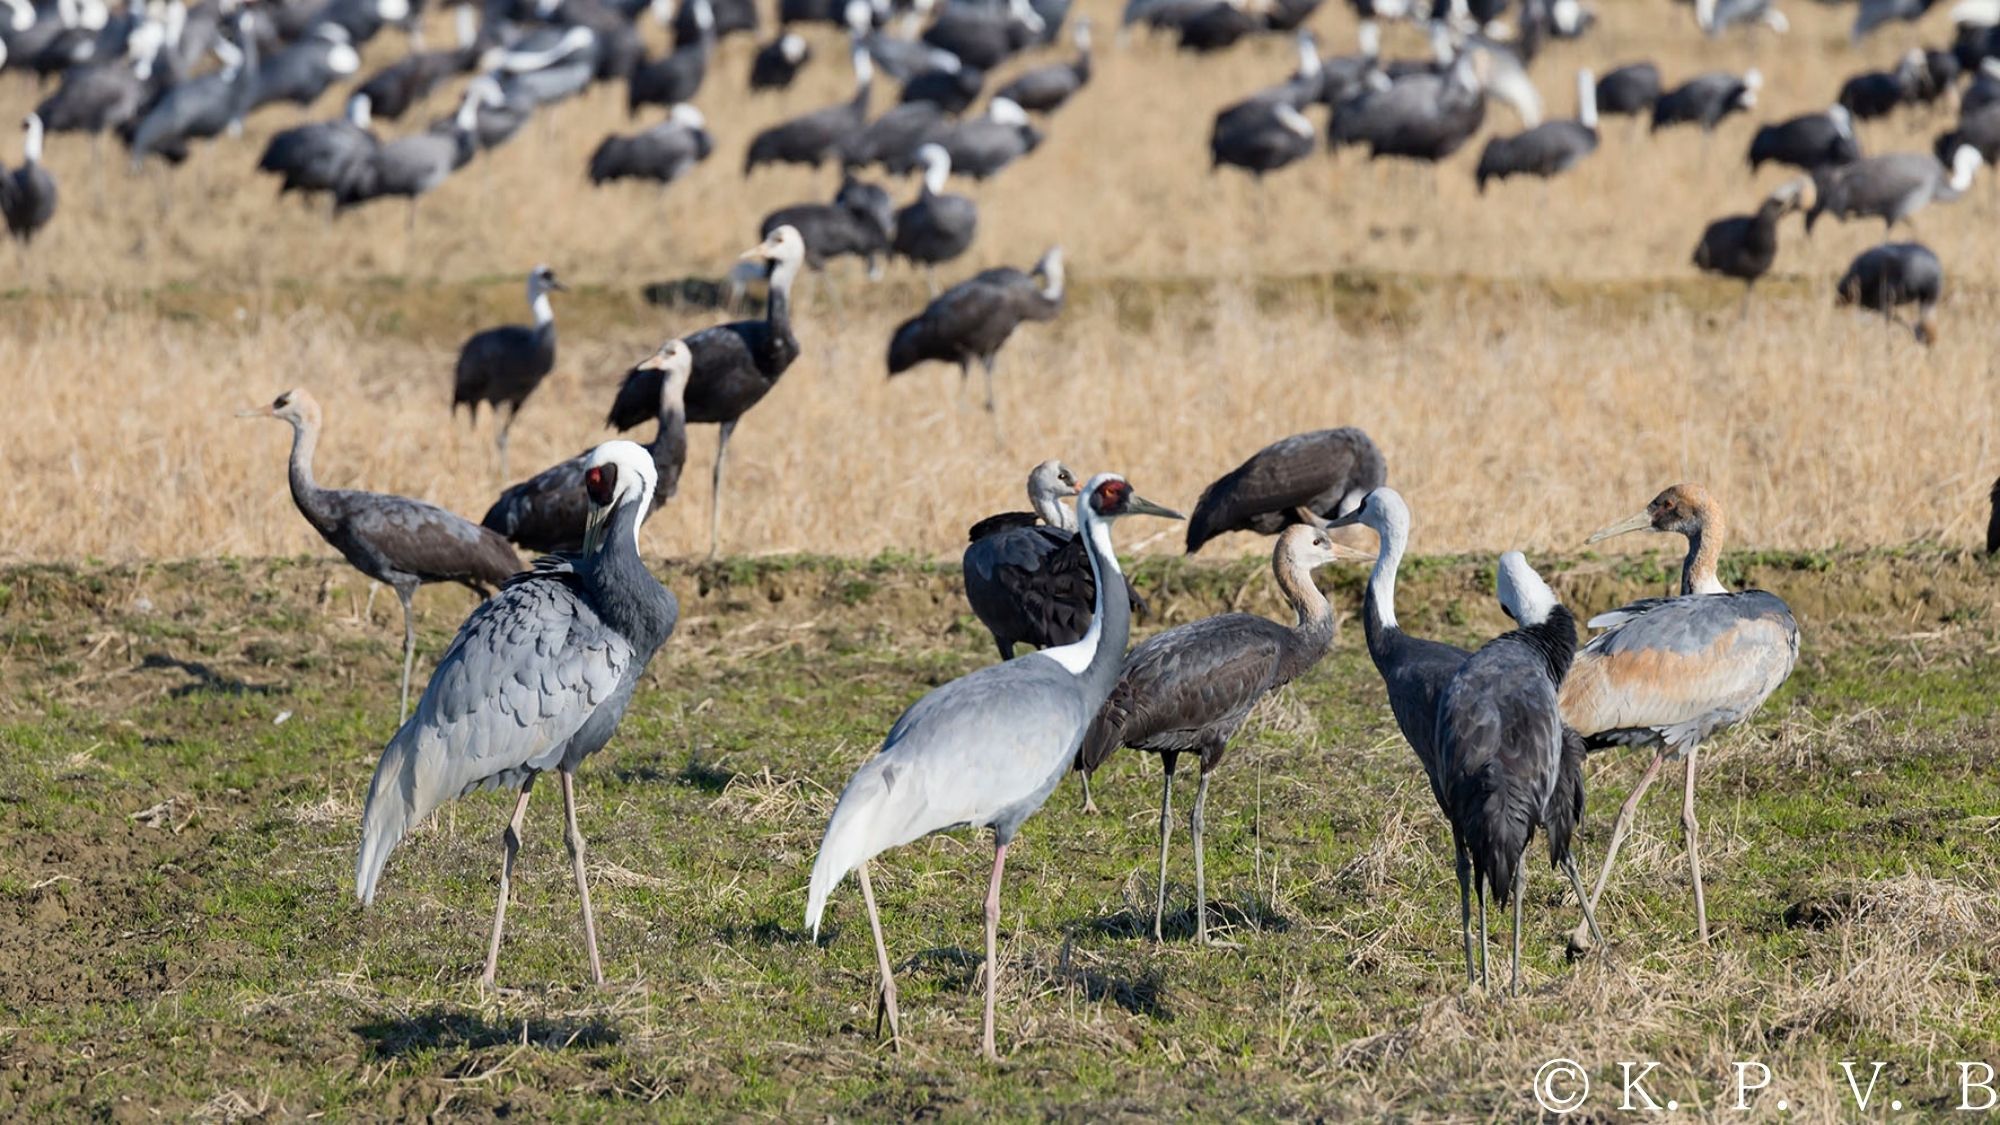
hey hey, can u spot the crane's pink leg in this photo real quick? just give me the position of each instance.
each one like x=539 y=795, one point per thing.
x=1089 y=805
x=576 y=864
x=993 y=948
x=887 y=997
x=510 y=842
x=1693 y=830
x=1579 y=939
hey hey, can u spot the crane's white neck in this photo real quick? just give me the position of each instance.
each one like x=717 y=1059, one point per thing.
x=538 y=301
x=1964 y=165
x=1076 y=658
x=1309 y=64
x=1394 y=530
x=1051 y=267
x=784 y=271
x=1369 y=39
x=360 y=111
x=1586 y=99
x=937 y=171
x=31 y=145
x=1050 y=509
x=864 y=68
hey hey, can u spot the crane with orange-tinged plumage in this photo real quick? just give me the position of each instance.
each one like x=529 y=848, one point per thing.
x=1672 y=672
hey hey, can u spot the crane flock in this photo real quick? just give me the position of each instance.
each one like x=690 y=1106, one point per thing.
x=541 y=674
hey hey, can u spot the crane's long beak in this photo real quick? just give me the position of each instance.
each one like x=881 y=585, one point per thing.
x=593 y=527
x=1343 y=552
x=1136 y=505
x=558 y=286
x=655 y=362
x=1641 y=522
x=758 y=253
x=1348 y=520
x=260 y=412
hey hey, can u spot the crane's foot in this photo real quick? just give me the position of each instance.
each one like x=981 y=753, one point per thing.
x=1213 y=942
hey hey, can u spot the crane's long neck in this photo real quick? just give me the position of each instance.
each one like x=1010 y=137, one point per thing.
x=1051 y=510
x=538 y=302
x=1316 y=628
x=1698 y=570
x=1097 y=658
x=306 y=492
x=778 y=305
x=670 y=448
x=623 y=592
x=31 y=144
x=1554 y=638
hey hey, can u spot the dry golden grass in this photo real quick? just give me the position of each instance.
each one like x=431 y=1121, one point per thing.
x=1533 y=362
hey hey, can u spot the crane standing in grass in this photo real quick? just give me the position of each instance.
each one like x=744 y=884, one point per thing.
x=503 y=366
x=1669 y=673
x=394 y=540
x=1190 y=689
x=537 y=680
x=984 y=750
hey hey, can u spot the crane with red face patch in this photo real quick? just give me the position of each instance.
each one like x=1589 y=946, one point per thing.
x=986 y=749
x=1670 y=673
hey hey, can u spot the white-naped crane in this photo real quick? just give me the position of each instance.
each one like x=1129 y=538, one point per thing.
x=1670 y=673
x=399 y=542
x=548 y=512
x=1189 y=690
x=735 y=364
x=537 y=680
x=984 y=750
x=501 y=367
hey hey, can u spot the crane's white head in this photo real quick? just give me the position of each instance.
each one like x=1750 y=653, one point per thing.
x=1051 y=268
x=1843 y=121
x=1964 y=165
x=782 y=251
x=296 y=406
x=1051 y=479
x=937 y=167
x=675 y=363
x=1526 y=598
x=541 y=282
x=792 y=47
x=1007 y=111
x=615 y=475
x=859 y=16
x=360 y=111
x=1368 y=39
x=1080 y=34
x=31 y=138
x=687 y=116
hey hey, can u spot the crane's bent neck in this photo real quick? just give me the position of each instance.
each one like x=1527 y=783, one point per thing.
x=1698 y=570
x=1316 y=626
x=305 y=490
x=539 y=304
x=670 y=447
x=1096 y=658
x=1051 y=510
x=1382 y=581
x=623 y=592
x=778 y=304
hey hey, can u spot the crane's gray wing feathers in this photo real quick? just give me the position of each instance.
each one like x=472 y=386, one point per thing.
x=1205 y=674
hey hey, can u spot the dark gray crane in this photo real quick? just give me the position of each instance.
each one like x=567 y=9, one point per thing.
x=1306 y=478
x=413 y=166
x=984 y=750
x=1629 y=90
x=778 y=62
x=302 y=72
x=537 y=679
x=1260 y=137
x=398 y=542
x=1190 y=689
x=1502 y=752
x=548 y=512
x=1548 y=149
x=320 y=156
x=663 y=153
x=28 y=193
x=973 y=319
x=952 y=87
x=1893 y=187
x=1422 y=116
x=1669 y=673
x=1809 y=142
x=981 y=146
x=1877 y=93
x=860 y=222
x=1046 y=89
x=1886 y=277
x=937 y=226
x=894 y=139
x=676 y=76
x=985 y=35
x=735 y=364
x=814 y=137
x=502 y=366
x=1707 y=99
x=399 y=86
x=1744 y=246
x=106 y=95
x=200 y=108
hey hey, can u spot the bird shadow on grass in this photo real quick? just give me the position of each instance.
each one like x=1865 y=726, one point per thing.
x=1179 y=925
x=445 y=1029
x=206 y=679
x=768 y=932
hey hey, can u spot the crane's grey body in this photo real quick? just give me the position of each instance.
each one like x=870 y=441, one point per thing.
x=322 y=155
x=1884 y=277
x=1706 y=99
x=663 y=153
x=814 y=137
x=1045 y=88
x=1307 y=477
x=938 y=226
x=537 y=679
x=1892 y=187
x=981 y=146
x=1548 y=149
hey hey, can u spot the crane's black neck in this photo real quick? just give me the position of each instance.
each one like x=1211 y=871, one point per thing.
x=1554 y=639
x=622 y=591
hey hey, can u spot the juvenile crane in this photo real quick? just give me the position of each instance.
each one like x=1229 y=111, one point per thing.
x=1893 y=274
x=973 y=319
x=537 y=679
x=984 y=750
x=735 y=364
x=1501 y=748
x=1306 y=478
x=1670 y=673
x=549 y=511
x=1190 y=689
x=503 y=366
x=396 y=541
x=1745 y=246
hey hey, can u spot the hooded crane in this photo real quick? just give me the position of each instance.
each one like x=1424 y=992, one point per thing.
x=1892 y=275
x=413 y=166
x=1707 y=99
x=503 y=366
x=937 y=226
x=973 y=319
x=985 y=35
x=302 y=72
x=200 y=108
x=952 y=87
x=1744 y=246
x=984 y=750
x=1629 y=91
x=860 y=222
x=321 y=155
x=1877 y=93
x=1423 y=116
x=894 y=139
x=1716 y=16
x=676 y=76
x=1190 y=689
x=548 y=512
x=1548 y=149
x=735 y=364
x=1343 y=76
x=663 y=153
x=1045 y=89
x=394 y=89
x=1306 y=478
x=537 y=679
x=1809 y=142
x=107 y=95
x=398 y=542
x=1505 y=756
x=981 y=146
x=813 y=137
x=778 y=62
x=1260 y=137
x=1670 y=673
x=1893 y=187
x=28 y=193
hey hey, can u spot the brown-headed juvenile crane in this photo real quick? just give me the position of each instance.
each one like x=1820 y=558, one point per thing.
x=1507 y=765
x=984 y=750
x=1190 y=689
x=399 y=542
x=1670 y=673
x=1306 y=478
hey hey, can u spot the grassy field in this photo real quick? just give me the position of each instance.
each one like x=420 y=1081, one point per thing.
x=188 y=745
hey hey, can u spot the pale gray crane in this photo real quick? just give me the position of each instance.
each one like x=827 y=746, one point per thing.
x=537 y=679
x=1190 y=689
x=1670 y=673
x=1892 y=187
x=984 y=750
x=399 y=542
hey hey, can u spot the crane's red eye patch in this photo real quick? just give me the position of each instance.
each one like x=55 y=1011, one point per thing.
x=1111 y=496
x=598 y=482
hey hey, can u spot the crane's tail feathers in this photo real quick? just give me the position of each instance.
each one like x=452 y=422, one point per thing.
x=864 y=824
x=392 y=810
